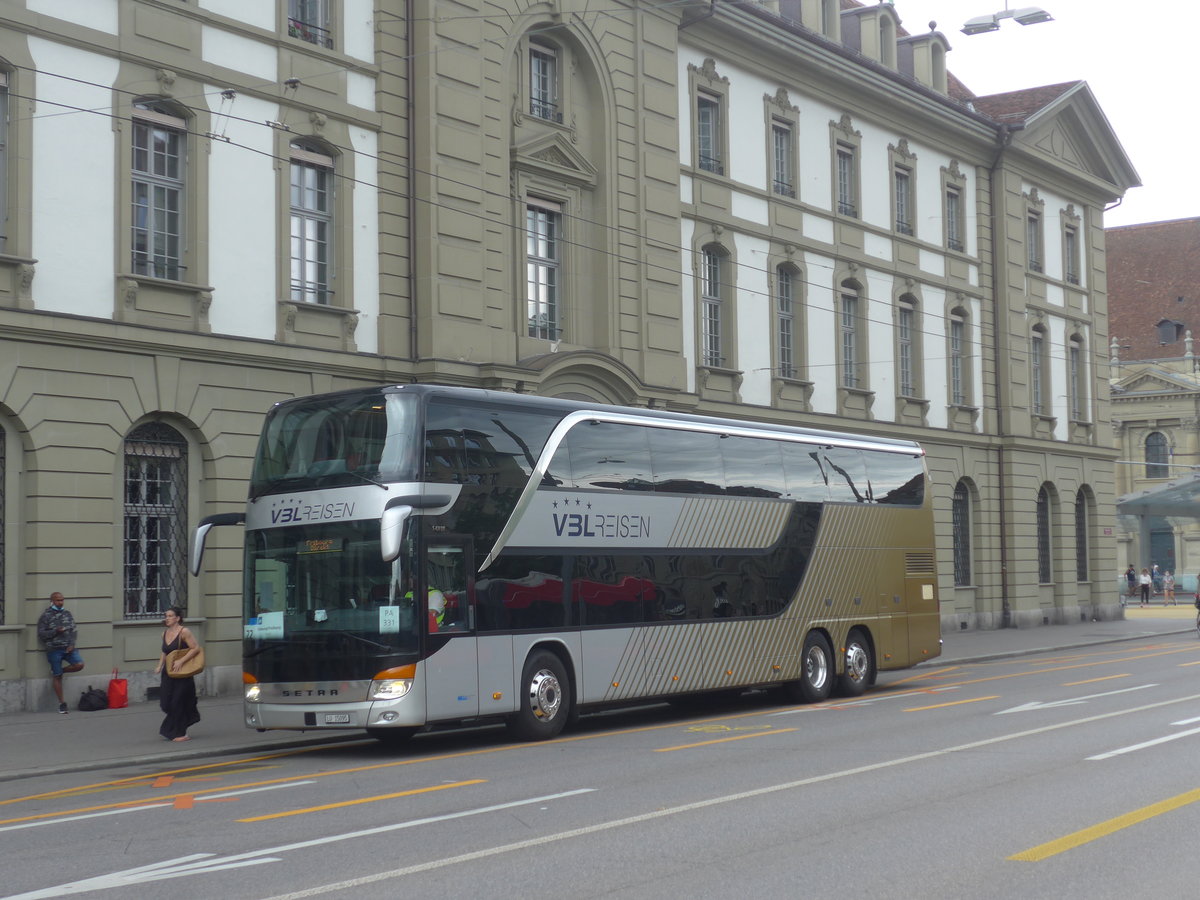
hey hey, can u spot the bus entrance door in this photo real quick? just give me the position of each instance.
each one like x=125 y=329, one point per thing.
x=452 y=666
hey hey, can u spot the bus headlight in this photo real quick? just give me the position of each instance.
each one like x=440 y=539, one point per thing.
x=253 y=692
x=390 y=689
x=394 y=683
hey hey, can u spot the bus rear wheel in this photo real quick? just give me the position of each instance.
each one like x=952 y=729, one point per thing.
x=816 y=679
x=858 y=665
x=544 y=701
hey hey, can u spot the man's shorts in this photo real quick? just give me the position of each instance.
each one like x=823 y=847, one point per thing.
x=58 y=656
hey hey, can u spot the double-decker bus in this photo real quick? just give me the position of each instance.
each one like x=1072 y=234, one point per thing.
x=418 y=554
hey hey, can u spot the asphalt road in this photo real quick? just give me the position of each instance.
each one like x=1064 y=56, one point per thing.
x=1056 y=775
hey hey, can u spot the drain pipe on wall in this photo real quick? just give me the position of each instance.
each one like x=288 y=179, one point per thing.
x=1004 y=138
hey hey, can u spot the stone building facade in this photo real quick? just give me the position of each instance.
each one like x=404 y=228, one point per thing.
x=787 y=211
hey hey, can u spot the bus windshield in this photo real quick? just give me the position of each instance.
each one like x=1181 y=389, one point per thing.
x=338 y=440
x=321 y=604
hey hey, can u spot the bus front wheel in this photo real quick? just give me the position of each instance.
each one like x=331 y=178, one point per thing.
x=545 y=699
x=858 y=665
x=817 y=672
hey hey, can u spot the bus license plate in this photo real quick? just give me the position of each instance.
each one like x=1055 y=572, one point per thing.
x=337 y=718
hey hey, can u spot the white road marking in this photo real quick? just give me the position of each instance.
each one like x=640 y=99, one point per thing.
x=206 y=863
x=1142 y=746
x=702 y=804
x=1051 y=704
x=144 y=806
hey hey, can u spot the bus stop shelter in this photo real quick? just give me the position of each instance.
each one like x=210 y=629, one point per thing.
x=1176 y=499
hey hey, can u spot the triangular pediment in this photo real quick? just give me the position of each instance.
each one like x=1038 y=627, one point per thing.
x=1073 y=132
x=1154 y=382
x=554 y=156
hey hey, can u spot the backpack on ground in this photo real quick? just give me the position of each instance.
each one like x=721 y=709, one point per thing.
x=93 y=699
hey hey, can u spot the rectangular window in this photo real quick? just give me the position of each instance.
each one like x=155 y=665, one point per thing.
x=957 y=391
x=312 y=226
x=543 y=83
x=1033 y=240
x=1037 y=373
x=1071 y=255
x=902 y=189
x=155 y=542
x=710 y=312
x=308 y=20
x=782 y=159
x=904 y=338
x=847 y=195
x=785 y=311
x=708 y=133
x=543 y=223
x=954 y=233
x=1075 y=373
x=159 y=148
x=849 y=333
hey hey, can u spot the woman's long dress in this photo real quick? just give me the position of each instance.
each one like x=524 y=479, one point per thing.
x=176 y=698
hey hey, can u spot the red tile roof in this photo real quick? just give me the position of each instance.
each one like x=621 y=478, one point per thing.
x=1153 y=275
x=1016 y=107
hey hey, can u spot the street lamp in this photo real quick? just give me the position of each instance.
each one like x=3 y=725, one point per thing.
x=1028 y=15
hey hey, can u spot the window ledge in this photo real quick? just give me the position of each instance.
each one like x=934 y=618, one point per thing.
x=16 y=281
x=315 y=325
x=161 y=303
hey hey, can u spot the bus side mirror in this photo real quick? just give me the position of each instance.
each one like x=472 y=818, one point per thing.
x=391 y=530
x=202 y=530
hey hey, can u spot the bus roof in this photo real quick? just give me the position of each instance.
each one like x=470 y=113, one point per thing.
x=563 y=406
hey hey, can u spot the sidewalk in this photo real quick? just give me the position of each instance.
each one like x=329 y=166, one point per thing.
x=49 y=743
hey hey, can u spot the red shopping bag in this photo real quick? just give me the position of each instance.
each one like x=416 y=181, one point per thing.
x=118 y=692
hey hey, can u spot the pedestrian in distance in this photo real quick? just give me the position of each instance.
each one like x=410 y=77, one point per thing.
x=177 y=696
x=1156 y=578
x=57 y=632
x=1168 y=588
x=1145 y=583
x=1131 y=581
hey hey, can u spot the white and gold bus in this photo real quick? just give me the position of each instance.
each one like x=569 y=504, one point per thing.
x=418 y=555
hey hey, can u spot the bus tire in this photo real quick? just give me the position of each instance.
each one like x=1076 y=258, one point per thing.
x=544 y=701
x=817 y=672
x=858 y=665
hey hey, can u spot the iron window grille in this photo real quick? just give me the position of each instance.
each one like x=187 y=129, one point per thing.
x=961 y=513
x=1081 y=537
x=155 y=545
x=1043 y=536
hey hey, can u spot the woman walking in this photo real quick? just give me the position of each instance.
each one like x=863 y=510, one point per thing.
x=177 y=696
x=1169 y=589
x=1145 y=582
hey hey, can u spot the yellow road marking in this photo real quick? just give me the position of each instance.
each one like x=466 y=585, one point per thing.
x=740 y=737
x=1094 y=680
x=1095 y=832
x=1197 y=663
x=951 y=703
x=345 y=803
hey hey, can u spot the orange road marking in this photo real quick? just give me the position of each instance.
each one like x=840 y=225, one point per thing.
x=164 y=782
x=1094 y=680
x=345 y=803
x=951 y=703
x=740 y=737
x=185 y=801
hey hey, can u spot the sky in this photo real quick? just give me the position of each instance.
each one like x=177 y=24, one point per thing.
x=1137 y=59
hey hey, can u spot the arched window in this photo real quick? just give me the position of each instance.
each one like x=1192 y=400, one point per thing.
x=1043 y=536
x=961 y=509
x=1156 y=456
x=155 y=520
x=1081 y=536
